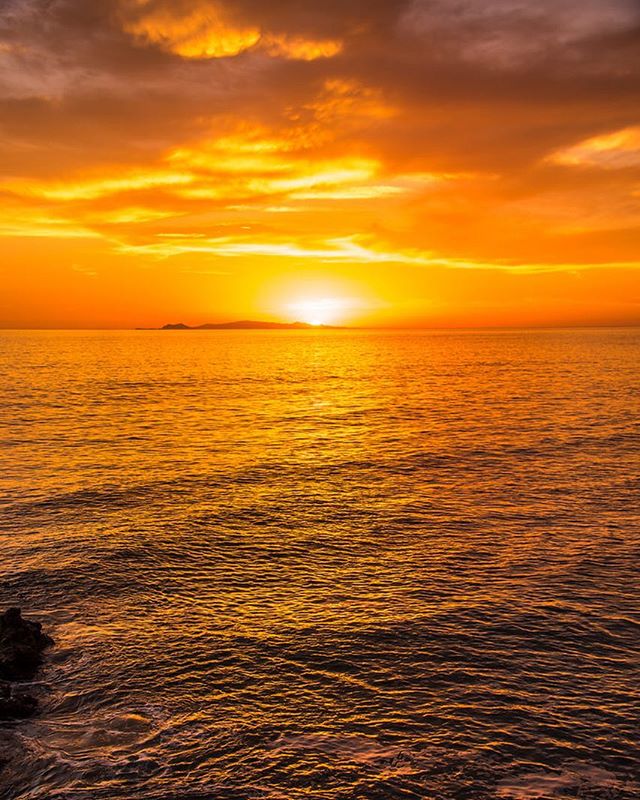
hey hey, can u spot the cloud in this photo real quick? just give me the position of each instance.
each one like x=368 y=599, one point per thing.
x=205 y=29
x=190 y=30
x=510 y=34
x=450 y=130
x=300 y=49
x=615 y=150
x=98 y=187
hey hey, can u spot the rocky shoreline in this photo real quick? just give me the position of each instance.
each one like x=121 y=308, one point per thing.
x=22 y=644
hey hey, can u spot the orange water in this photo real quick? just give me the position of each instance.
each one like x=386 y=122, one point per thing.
x=341 y=565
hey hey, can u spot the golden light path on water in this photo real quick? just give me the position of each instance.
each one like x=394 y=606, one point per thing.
x=339 y=565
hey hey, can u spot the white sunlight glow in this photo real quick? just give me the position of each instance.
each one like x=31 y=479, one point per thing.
x=318 y=310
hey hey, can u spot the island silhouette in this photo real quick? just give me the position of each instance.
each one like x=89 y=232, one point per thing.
x=243 y=324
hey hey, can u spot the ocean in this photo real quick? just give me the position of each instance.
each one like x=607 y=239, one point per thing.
x=330 y=565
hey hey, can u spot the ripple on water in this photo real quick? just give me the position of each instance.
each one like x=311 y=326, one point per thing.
x=342 y=567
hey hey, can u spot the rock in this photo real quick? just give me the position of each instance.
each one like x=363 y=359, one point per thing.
x=21 y=645
x=15 y=705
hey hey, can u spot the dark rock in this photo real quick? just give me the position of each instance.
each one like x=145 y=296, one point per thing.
x=21 y=645
x=16 y=705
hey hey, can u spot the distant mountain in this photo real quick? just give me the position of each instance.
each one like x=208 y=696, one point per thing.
x=243 y=324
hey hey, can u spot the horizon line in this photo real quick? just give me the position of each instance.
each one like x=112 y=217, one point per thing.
x=309 y=327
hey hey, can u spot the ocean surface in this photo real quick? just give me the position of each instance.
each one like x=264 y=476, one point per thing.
x=340 y=565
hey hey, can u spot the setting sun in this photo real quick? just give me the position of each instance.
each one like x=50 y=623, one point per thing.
x=319 y=310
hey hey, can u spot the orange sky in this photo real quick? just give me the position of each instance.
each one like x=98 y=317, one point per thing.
x=434 y=162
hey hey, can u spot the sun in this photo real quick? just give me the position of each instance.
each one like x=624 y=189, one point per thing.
x=318 y=310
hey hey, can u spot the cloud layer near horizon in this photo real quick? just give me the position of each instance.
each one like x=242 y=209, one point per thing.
x=434 y=134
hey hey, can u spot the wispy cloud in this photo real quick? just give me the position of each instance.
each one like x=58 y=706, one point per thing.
x=615 y=150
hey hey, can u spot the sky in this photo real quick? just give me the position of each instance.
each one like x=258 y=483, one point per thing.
x=369 y=162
